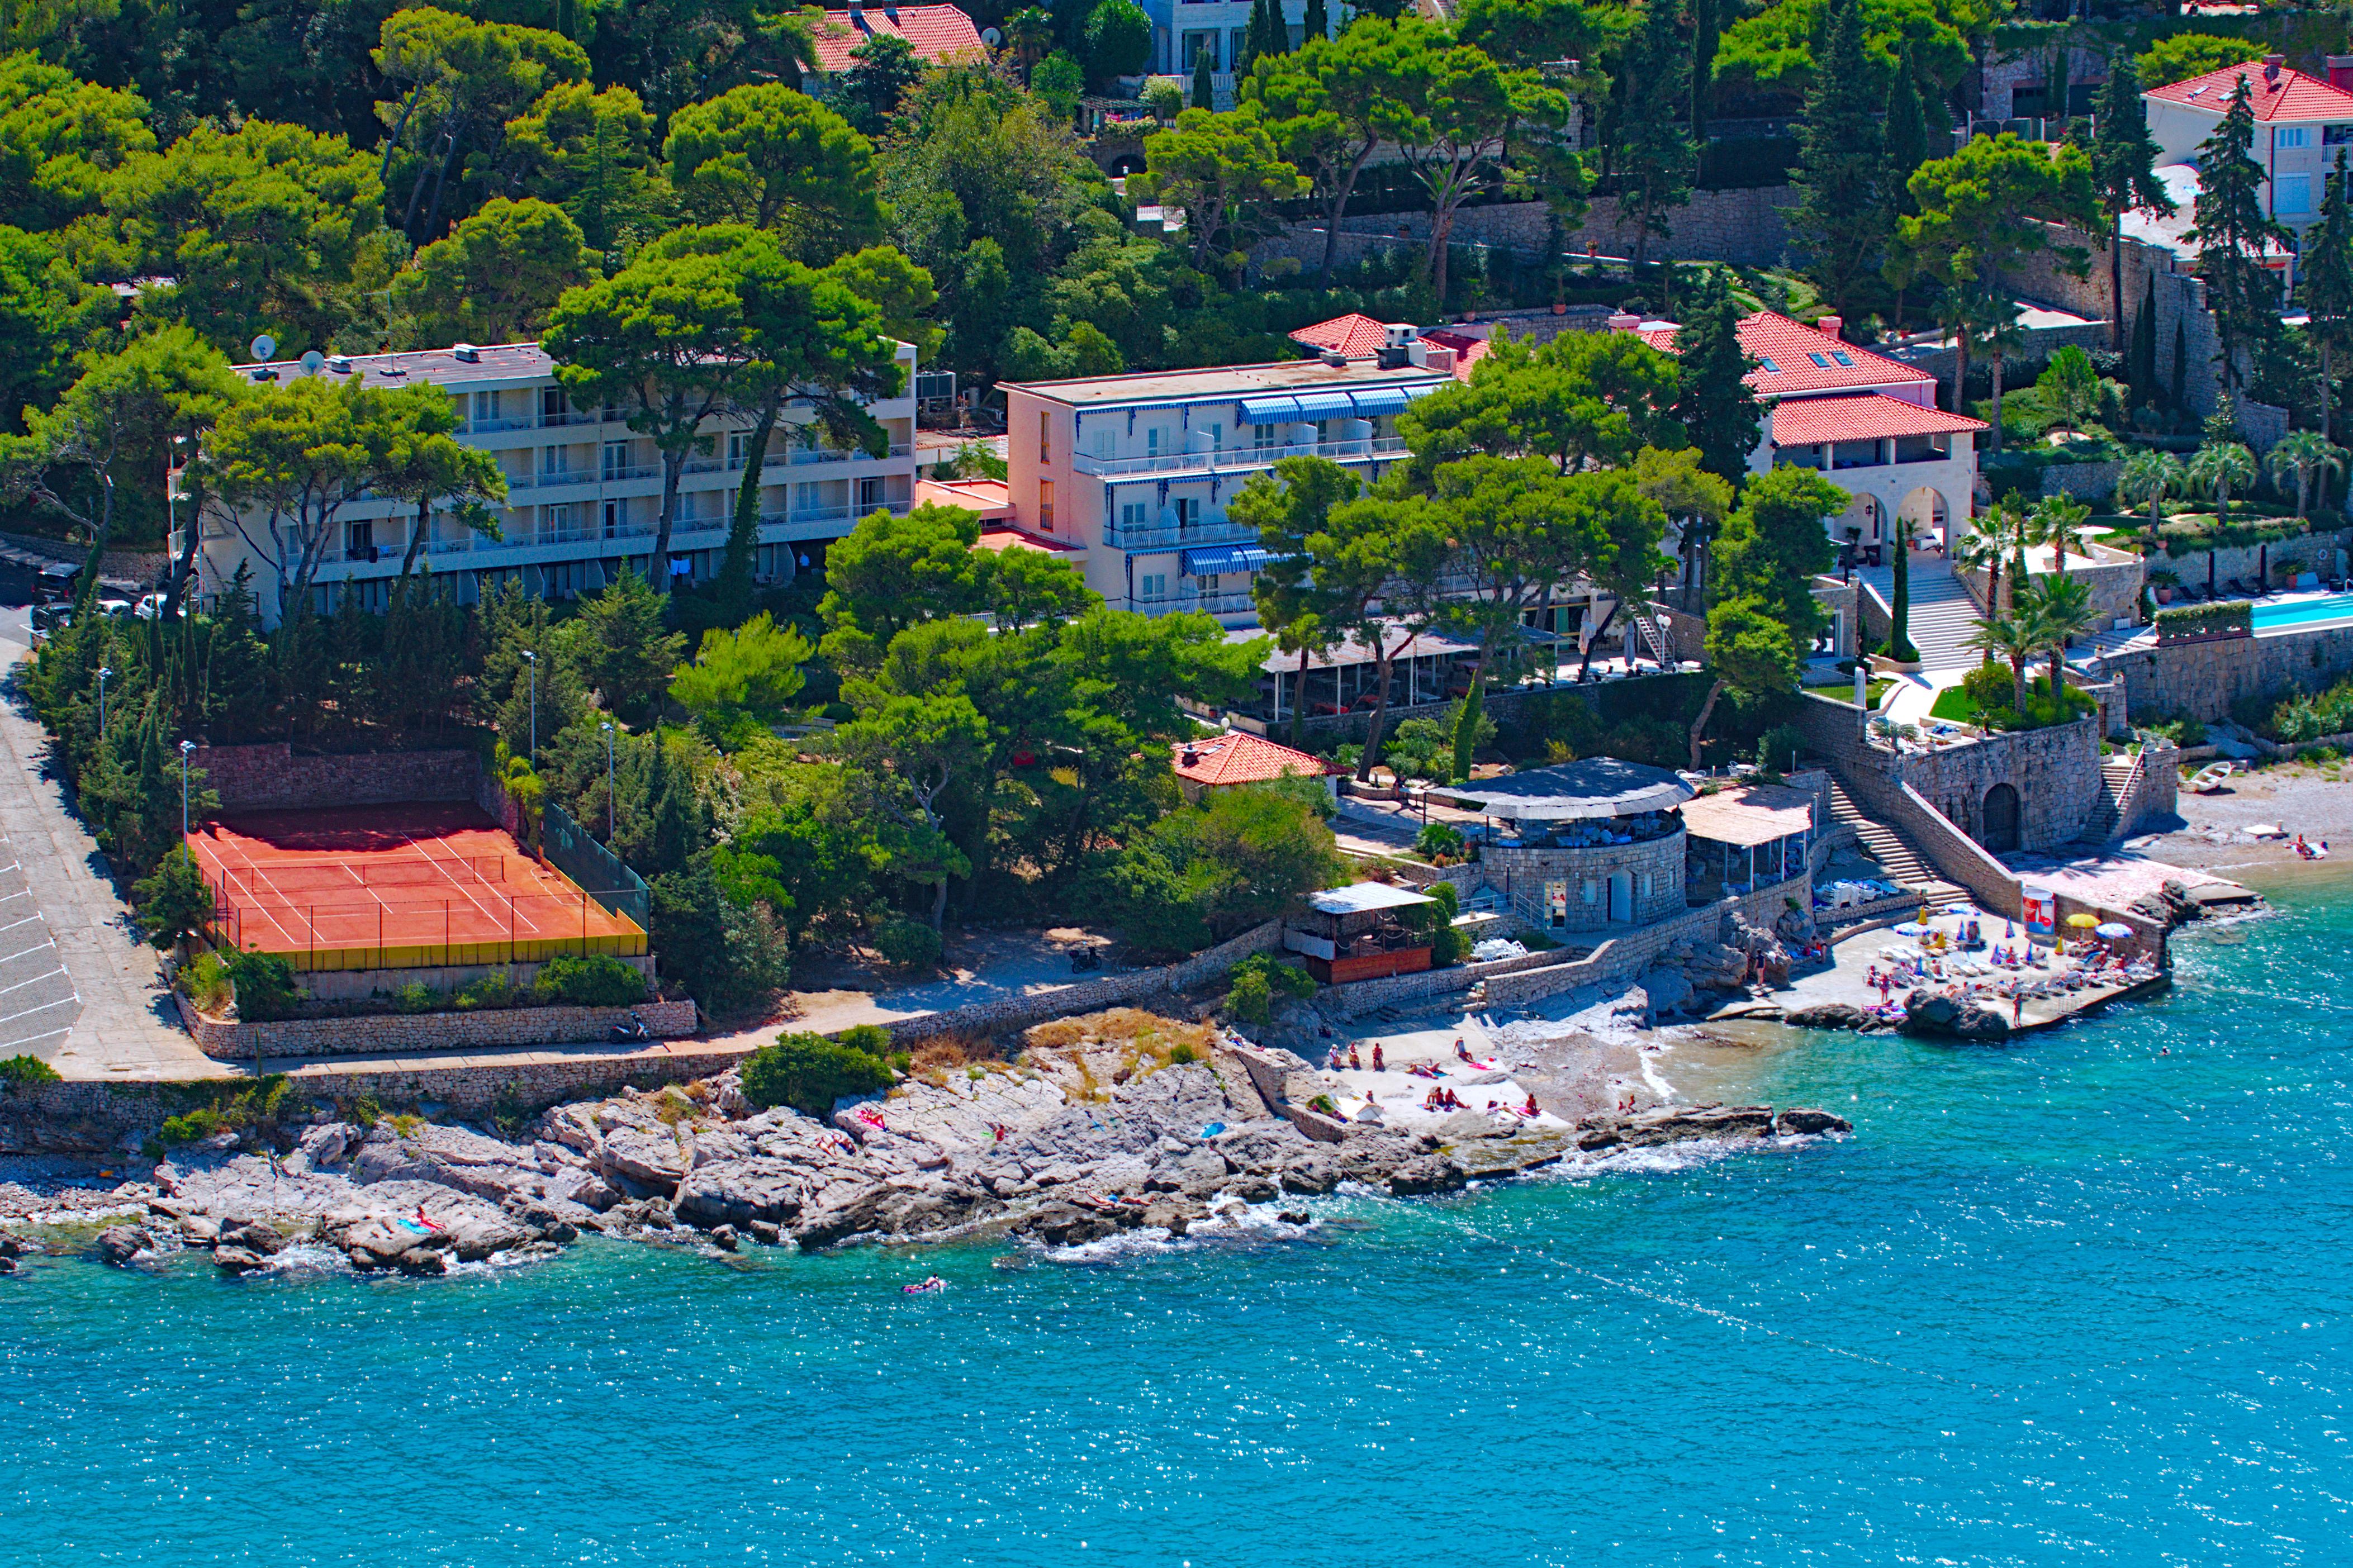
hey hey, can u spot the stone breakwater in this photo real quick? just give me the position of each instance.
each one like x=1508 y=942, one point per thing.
x=1068 y=1144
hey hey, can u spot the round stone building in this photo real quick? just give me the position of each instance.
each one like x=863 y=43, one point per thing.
x=1591 y=845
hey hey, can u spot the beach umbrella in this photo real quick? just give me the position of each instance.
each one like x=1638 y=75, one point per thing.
x=2112 y=930
x=2082 y=920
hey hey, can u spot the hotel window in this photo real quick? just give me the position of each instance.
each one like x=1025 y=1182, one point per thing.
x=1152 y=439
x=2287 y=136
x=2336 y=135
x=2292 y=194
x=1152 y=585
x=1188 y=510
x=1045 y=437
x=1045 y=505
x=613 y=516
x=1266 y=436
x=1105 y=442
x=1591 y=890
x=1135 y=514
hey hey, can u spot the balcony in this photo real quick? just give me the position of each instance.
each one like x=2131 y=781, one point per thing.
x=615 y=473
x=1132 y=540
x=1377 y=448
x=1173 y=603
x=506 y=422
x=570 y=417
x=1228 y=602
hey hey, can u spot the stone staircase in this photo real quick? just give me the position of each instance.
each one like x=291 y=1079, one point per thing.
x=1897 y=855
x=2118 y=774
x=1942 y=614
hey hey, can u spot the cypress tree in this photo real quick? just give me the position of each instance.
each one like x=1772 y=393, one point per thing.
x=2328 y=268
x=1839 y=217
x=2180 y=365
x=1318 y=23
x=2124 y=172
x=1899 y=613
x=1205 y=95
x=1907 y=145
x=2141 y=368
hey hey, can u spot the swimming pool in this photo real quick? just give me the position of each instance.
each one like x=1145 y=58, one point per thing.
x=2329 y=608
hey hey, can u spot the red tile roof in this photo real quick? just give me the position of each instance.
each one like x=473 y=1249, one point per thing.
x=1861 y=416
x=2287 y=95
x=1236 y=758
x=1355 y=334
x=936 y=32
x=1795 y=357
x=1468 y=351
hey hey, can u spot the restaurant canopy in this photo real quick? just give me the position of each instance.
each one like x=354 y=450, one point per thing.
x=1363 y=898
x=1591 y=787
x=1749 y=814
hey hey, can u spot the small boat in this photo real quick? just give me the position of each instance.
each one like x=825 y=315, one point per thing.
x=2209 y=779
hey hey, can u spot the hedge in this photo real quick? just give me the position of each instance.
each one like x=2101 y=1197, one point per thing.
x=2231 y=616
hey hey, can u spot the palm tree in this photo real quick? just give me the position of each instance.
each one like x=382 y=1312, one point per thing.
x=2307 y=455
x=2009 y=639
x=2059 y=524
x=2149 y=478
x=1974 y=552
x=2221 y=467
x=2059 y=610
x=1030 y=32
x=2002 y=337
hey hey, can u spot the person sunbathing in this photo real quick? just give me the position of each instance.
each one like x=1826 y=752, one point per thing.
x=1378 y=1064
x=1355 y=1060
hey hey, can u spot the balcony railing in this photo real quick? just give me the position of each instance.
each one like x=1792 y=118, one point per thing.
x=1227 y=602
x=1199 y=534
x=618 y=472
x=1173 y=603
x=506 y=422
x=1373 y=448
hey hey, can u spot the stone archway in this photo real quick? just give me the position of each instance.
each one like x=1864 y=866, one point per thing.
x=1866 y=518
x=1925 y=511
x=2000 y=815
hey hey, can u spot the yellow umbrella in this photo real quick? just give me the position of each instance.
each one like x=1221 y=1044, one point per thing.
x=2082 y=919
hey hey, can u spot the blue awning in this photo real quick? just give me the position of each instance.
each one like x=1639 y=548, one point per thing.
x=1381 y=400
x=1423 y=389
x=1270 y=410
x=1325 y=405
x=1224 y=558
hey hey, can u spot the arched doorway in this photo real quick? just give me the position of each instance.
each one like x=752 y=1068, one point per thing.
x=2000 y=818
x=1924 y=509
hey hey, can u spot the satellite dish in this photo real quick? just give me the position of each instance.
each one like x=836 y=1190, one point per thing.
x=264 y=346
x=991 y=36
x=313 y=361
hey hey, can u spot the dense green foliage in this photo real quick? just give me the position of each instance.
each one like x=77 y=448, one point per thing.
x=809 y=1072
x=265 y=987
x=589 y=980
x=1252 y=985
x=2299 y=717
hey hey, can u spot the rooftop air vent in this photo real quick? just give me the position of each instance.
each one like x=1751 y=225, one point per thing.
x=467 y=352
x=1335 y=359
x=339 y=363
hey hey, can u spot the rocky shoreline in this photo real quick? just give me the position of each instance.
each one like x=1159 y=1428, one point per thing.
x=1116 y=1124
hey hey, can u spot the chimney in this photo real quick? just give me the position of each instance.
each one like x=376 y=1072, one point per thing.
x=1335 y=358
x=1831 y=324
x=1623 y=320
x=2340 y=71
x=1192 y=755
x=2271 y=64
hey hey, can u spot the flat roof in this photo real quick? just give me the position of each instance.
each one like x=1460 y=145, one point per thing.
x=1362 y=897
x=1425 y=645
x=441 y=366
x=1211 y=382
x=1748 y=814
x=1567 y=792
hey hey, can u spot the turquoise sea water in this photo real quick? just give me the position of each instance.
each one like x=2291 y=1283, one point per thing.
x=2077 y=1302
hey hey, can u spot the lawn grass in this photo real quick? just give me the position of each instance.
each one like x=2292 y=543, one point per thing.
x=1954 y=705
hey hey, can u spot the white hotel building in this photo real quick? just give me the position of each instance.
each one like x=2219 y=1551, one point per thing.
x=1133 y=473
x=583 y=491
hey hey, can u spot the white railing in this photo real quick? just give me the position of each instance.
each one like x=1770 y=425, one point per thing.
x=1199 y=534
x=1228 y=602
x=1236 y=458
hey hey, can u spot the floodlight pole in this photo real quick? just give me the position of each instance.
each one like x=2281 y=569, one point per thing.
x=608 y=727
x=105 y=672
x=185 y=747
x=532 y=659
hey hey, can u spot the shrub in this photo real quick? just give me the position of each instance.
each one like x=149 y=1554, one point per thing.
x=1778 y=749
x=490 y=991
x=1181 y=1055
x=1438 y=842
x=1253 y=984
x=809 y=1072
x=589 y=980
x=207 y=981
x=174 y=902
x=193 y=1126
x=23 y=1072
x=2303 y=716
x=871 y=1038
x=2205 y=620
x=264 y=985
x=1990 y=686
x=907 y=944
x=415 y=997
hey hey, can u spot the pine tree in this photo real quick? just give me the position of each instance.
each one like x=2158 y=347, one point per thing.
x=1839 y=217
x=2124 y=172
x=2328 y=268
x=1713 y=402
x=1205 y=95
x=2232 y=232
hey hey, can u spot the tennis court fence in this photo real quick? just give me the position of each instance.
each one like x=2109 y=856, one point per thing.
x=304 y=878
x=573 y=851
x=424 y=929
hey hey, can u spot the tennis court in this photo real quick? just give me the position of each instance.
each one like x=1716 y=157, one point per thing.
x=396 y=887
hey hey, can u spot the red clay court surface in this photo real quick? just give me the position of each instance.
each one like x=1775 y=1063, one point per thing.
x=395 y=887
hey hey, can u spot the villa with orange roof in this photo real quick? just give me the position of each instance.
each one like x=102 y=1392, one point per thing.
x=1236 y=758
x=936 y=33
x=2301 y=124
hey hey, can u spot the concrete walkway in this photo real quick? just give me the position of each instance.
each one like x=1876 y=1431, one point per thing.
x=104 y=1015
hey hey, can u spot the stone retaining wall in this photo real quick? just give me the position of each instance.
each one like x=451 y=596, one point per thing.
x=1624 y=957
x=273 y=776
x=1091 y=996
x=1366 y=996
x=2322 y=552
x=2203 y=679
x=1741 y=226
x=425 y=1034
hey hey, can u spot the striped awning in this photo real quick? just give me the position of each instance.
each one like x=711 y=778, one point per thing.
x=1381 y=400
x=1270 y=410
x=1325 y=405
x=1220 y=559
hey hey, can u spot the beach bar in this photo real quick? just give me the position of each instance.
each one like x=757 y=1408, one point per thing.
x=1353 y=933
x=1746 y=838
x=1584 y=846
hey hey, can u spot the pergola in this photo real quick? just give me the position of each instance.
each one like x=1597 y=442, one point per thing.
x=1747 y=818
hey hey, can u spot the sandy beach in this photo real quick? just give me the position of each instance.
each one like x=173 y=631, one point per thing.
x=2300 y=797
